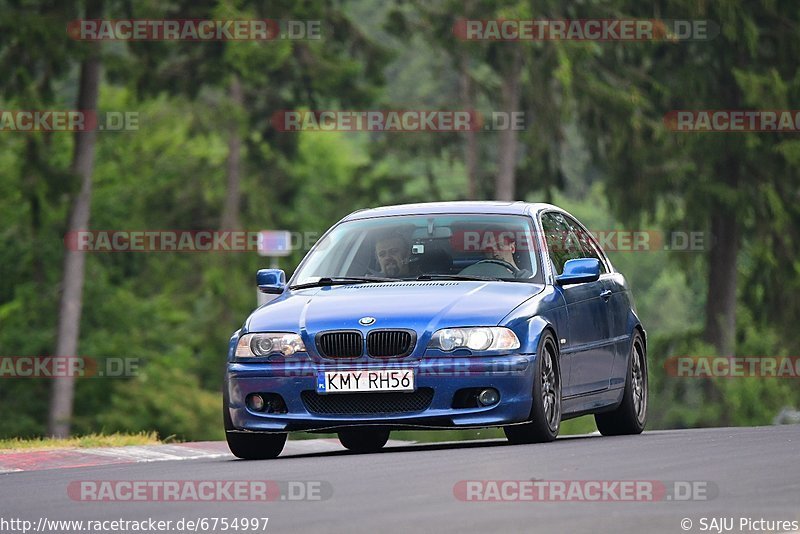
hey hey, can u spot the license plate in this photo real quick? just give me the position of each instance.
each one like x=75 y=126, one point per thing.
x=360 y=381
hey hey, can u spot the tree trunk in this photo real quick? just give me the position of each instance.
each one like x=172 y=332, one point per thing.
x=470 y=136
x=505 y=183
x=69 y=317
x=30 y=183
x=720 y=327
x=230 y=211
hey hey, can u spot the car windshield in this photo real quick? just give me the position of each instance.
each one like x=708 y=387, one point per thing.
x=464 y=246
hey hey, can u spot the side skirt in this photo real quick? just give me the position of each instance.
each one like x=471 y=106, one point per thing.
x=596 y=402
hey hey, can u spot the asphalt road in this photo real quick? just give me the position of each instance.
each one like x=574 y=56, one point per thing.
x=747 y=472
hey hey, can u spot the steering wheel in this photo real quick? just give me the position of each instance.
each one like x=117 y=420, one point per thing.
x=511 y=268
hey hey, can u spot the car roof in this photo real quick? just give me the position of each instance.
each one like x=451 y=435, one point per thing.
x=434 y=208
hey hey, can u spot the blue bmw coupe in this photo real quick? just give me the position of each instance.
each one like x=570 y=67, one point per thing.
x=439 y=316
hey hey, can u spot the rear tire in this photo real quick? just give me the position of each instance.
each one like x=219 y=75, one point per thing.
x=546 y=409
x=364 y=439
x=631 y=415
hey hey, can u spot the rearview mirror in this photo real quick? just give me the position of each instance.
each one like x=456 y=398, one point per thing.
x=578 y=271
x=272 y=281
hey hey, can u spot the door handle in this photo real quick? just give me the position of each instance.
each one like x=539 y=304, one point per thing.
x=605 y=295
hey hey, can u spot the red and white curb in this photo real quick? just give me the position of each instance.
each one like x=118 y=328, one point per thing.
x=68 y=458
x=14 y=462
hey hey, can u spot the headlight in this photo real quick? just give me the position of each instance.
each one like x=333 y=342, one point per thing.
x=478 y=339
x=269 y=344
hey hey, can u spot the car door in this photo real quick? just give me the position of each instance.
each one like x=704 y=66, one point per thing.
x=615 y=296
x=586 y=343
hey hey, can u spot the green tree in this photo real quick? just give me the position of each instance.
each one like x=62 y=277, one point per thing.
x=737 y=187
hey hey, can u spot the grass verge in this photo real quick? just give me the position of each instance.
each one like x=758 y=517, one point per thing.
x=90 y=440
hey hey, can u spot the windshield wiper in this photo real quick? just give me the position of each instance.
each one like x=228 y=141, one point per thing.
x=459 y=277
x=342 y=280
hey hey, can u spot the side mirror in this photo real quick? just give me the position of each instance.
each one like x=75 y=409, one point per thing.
x=578 y=271
x=272 y=281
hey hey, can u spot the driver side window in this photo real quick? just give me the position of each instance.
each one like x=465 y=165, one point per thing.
x=563 y=243
x=588 y=248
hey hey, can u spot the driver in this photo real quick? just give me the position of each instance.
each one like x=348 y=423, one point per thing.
x=503 y=249
x=393 y=252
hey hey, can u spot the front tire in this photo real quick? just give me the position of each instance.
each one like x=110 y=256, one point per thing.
x=255 y=445
x=631 y=415
x=546 y=409
x=250 y=445
x=364 y=439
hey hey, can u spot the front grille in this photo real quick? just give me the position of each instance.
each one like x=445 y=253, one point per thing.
x=390 y=343
x=368 y=403
x=343 y=344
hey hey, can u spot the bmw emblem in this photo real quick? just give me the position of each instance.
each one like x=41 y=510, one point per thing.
x=366 y=321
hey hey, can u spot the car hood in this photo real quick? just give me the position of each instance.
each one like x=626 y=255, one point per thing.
x=423 y=306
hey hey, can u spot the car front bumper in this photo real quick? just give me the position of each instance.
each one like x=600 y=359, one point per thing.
x=510 y=375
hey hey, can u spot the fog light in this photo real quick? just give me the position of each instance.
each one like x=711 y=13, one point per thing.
x=255 y=402
x=487 y=397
